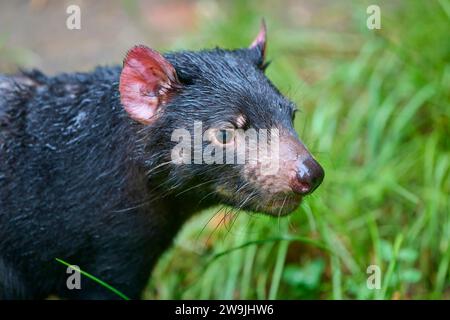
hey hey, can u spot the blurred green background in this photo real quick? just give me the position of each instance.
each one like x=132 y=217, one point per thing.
x=375 y=111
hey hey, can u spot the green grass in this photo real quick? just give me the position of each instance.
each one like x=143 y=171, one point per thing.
x=93 y=278
x=375 y=112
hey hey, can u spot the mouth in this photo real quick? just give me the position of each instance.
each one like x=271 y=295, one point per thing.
x=281 y=206
x=277 y=206
x=273 y=205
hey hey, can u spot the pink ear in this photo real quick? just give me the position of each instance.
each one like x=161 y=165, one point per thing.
x=147 y=81
x=260 y=40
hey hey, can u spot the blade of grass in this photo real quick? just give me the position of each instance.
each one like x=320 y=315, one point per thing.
x=270 y=240
x=279 y=265
x=392 y=265
x=93 y=278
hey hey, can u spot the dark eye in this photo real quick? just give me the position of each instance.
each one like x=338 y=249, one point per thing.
x=293 y=114
x=224 y=136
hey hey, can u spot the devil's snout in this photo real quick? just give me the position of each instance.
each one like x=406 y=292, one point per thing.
x=309 y=175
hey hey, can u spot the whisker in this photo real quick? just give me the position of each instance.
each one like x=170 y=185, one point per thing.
x=207 y=223
x=217 y=226
x=279 y=212
x=157 y=167
x=203 y=183
x=238 y=210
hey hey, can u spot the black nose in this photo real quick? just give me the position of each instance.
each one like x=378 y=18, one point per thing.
x=309 y=176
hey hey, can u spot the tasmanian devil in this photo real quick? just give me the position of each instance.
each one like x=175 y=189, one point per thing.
x=87 y=167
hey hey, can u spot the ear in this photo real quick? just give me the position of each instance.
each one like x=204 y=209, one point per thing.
x=147 y=82
x=258 y=46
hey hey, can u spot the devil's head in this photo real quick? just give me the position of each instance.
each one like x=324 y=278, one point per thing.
x=221 y=128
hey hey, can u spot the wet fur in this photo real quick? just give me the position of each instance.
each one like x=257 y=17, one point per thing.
x=81 y=181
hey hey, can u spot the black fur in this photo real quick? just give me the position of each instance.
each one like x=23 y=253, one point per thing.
x=81 y=181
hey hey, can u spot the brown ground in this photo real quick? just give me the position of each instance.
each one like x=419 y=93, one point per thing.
x=33 y=33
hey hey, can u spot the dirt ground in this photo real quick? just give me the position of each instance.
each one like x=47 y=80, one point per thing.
x=33 y=33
